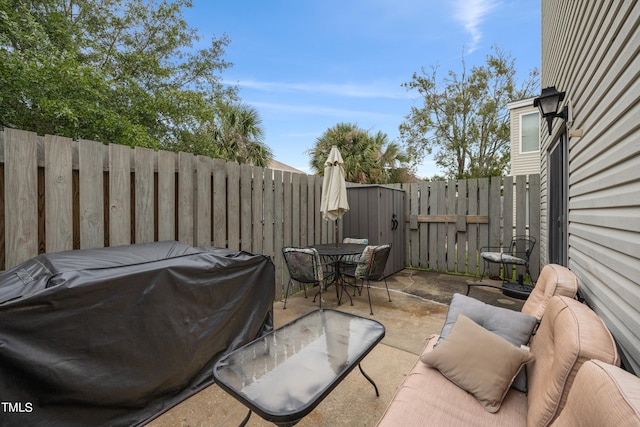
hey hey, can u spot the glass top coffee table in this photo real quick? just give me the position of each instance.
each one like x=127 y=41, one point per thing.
x=285 y=374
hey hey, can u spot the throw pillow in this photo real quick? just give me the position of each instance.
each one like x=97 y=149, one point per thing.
x=362 y=270
x=478 y=361
x=514 y=326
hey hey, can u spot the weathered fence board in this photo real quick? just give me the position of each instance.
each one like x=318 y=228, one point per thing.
x=521 y=213
x=119 y=195
x=301 y=214
x=91 y=197
x=450 y=196
x=21 y=196
x=441 y=208
x=220 y=217
x=166 y=195
x=461 y=228
x=311 y=213
x=414 y=233
x=246 y=183
x=268 y=214
x=533 y=195
x=57 y=194
x=483 y=209
x=58 y=177
x=472 y=235
x=287 y=218
x=144 y=195
x=278 y=227
x=257 y=219
x=296 y=204
x=432 y=243
x=186 y=199
x=203 y=200
x=233 y=206
x=494 y=227
x=321 y=225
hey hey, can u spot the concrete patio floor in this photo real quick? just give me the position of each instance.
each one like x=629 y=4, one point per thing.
x=418 y=309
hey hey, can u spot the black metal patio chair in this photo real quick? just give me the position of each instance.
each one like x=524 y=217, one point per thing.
x=306 y=268
x=370 y=267
x=517 y=253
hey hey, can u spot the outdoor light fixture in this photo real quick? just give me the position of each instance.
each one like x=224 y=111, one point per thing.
x=548 y=103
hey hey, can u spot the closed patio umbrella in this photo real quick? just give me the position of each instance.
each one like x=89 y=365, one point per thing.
x=334 y=190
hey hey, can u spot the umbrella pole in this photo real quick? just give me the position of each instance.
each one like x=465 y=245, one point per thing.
x=336 y=233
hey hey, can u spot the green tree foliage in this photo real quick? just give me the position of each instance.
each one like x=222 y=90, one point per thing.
x=234 y=134
x=464 y=122
x=367 y=158
x=116 y=71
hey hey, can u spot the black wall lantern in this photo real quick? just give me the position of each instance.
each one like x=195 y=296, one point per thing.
x=548 y=103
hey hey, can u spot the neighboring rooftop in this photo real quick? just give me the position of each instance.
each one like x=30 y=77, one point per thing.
x=276 y=165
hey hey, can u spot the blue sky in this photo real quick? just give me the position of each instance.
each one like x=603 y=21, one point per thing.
x=308 y=65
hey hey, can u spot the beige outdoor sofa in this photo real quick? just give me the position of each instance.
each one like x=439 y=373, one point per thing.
x=565 y=387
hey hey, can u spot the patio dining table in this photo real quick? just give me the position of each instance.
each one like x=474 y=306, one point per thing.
x=334 y=252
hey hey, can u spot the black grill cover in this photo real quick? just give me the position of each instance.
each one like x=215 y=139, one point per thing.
x=116 y=336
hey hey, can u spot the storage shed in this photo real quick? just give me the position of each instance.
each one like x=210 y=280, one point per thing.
x=377 y=212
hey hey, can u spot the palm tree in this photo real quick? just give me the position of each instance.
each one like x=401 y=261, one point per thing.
x=391 y=161
x=234 y=134
x=367 y=159
x=239 y=135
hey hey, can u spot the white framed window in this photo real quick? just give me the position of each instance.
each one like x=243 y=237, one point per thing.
x=529 y=132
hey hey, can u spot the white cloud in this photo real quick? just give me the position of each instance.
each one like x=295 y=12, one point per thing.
x=471 y=13
x=347 y=90
x=317 y=110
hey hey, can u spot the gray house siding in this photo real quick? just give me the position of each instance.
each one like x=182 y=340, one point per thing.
x=591 y=50
x=526 y=163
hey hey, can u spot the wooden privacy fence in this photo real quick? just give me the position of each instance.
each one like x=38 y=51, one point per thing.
x=449 y=222
x=57 y=194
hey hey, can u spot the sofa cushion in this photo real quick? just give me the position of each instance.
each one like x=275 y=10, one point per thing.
x=602 y=394
x=428 y=398
x=554 y=279
x=570 y=334
x=511 y=325
x=478 y=361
